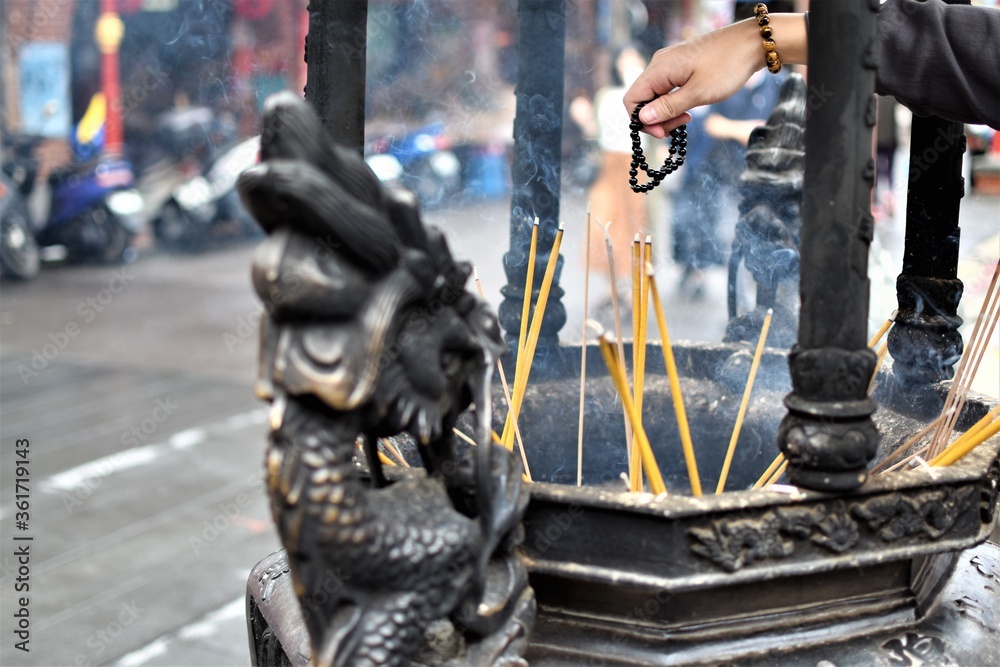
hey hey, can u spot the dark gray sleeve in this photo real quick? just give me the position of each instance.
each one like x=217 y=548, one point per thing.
x=941 y=59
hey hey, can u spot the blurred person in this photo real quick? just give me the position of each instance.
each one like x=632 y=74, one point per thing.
x=581 y=150
x=717 y=137
x=886 y=144
x=611 y=198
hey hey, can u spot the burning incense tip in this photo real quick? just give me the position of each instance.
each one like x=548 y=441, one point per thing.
x=562 y=225
x=536 y=221
x=475 y=273
x=638 y=238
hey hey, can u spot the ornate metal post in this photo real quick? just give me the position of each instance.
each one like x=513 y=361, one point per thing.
x=537 y=162
x=925 y=343
x=828 y=436
x=336 y=47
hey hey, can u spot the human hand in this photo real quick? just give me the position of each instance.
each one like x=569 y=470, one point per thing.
x=708 y=69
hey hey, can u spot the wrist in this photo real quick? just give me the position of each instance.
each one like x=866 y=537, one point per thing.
x=790 y=38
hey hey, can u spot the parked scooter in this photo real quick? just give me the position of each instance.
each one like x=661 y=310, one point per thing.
x=427 y=164
x=18 y=250
x=202 y=205
x=93 y=213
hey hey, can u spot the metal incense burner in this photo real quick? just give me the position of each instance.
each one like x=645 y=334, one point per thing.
x=461 y=564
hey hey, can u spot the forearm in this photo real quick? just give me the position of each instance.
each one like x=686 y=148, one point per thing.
x=718 y=126
x=940 y=59
x=710 y=68
x=790 y=37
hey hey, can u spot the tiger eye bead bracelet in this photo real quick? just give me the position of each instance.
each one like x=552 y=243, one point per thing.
x=771 y=57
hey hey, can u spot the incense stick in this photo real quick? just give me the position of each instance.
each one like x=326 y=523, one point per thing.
x=583 y=354
x=639 y=337
x=617 y=372
x=885 y=327
x=521 y=381
x=909 y=443
x=675 y=385
x=635 y=461
x=879 y=360
x=777 y=474
x=506 y=391
x=758 y=352
x=778 y=460
x=939 y=433
x=385 y=460
x=393 y=452
x=462 y=436
x=609 y=247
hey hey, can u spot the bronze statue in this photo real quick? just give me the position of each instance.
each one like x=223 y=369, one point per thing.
x=371 y=333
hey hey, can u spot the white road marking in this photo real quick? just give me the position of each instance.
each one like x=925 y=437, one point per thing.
x=141 y=656
x=102 y=467
x=71 y=479
x=206 y=626
x=188 y=438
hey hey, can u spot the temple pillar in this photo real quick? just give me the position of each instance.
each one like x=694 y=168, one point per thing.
x=828 y=435
x=536 y=169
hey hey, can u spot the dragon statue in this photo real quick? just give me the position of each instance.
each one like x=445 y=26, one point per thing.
x=370 y=333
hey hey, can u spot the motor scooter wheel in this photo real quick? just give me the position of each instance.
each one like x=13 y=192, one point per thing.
x=103 y=239
x=18 y=248
x=175 y=231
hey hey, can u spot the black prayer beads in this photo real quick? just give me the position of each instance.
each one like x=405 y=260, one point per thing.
x=678 y=149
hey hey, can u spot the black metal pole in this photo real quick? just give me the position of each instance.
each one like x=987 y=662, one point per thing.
x=537 y=163
x=336 y=48
x=828 y=436
x=925 y=343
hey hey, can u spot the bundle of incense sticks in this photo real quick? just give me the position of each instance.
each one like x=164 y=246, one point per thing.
x=616 y=369
x=968 y=365
x=982 y=431
x=526 y=350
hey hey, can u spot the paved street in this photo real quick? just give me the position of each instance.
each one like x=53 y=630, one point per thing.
x=134 y=387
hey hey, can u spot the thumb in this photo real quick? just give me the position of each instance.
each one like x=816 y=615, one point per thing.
x=666 y=108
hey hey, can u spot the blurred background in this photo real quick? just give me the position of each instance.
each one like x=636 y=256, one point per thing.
x=127 y=318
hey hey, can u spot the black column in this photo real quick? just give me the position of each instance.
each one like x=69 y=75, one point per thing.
x=925 y=343
x=537 y=162
x=828 y=436
x=336 y=48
